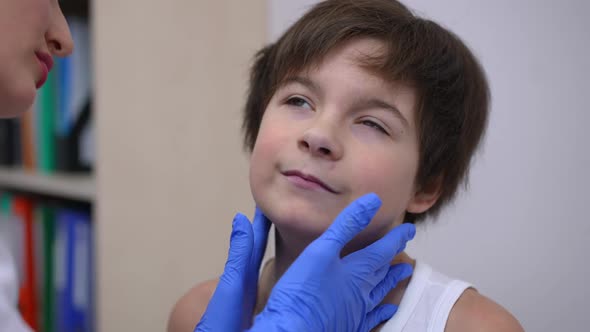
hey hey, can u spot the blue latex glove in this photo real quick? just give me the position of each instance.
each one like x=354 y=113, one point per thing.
x=320 y=291
x=232 y=306
x=323 y=292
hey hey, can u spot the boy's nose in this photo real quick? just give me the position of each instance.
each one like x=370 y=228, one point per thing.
x=321 y=143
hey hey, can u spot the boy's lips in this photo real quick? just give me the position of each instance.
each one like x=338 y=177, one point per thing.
x=307 y=180
x=46 y=64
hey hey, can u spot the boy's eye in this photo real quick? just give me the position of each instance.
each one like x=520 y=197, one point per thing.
x=374 y=125
x=298 y=102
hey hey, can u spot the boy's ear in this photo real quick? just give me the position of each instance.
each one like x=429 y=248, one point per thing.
x=424 y=198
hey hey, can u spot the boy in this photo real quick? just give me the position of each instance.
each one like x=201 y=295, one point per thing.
x=362 y=96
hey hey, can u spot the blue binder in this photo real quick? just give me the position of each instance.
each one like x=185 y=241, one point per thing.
x=74 y=279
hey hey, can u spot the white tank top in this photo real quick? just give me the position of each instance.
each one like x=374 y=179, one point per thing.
x=427 y=302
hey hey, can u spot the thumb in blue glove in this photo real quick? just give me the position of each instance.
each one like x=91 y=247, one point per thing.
x=323 y=292
x=232 y=305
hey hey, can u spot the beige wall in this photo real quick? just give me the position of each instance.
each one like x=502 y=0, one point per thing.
x=170 y=81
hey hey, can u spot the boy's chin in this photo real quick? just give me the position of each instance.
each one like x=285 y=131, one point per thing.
x=296 y=235
x=303 y=225
x=299 y=217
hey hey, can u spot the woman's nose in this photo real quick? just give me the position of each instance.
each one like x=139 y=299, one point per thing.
x=58 y=37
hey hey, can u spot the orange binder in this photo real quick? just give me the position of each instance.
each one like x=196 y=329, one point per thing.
x=28 y=140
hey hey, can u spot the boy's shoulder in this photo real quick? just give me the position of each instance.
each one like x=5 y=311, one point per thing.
x=190 y=307
x=475 y=312
x=472 y=312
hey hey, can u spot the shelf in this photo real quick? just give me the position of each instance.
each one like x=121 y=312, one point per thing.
x=79 y=187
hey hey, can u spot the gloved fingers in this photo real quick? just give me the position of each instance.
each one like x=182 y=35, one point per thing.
x=240 y=252
x=395 y=274
x=260 y=226
x=382 y=272
x=229 y=293
x=351 y=221
x=377 y=316
x=382 y=251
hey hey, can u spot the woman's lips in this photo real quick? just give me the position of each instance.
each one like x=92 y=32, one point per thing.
x=307 y=181
x=46 y=64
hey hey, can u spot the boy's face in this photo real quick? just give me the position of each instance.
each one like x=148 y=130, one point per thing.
x=331 y=134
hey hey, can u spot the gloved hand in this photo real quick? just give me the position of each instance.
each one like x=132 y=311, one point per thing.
x=232 y=306
x=320 y=291
x=323 y=292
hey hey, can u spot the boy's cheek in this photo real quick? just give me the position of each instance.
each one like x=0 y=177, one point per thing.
x=271 y=143
x=394 y=186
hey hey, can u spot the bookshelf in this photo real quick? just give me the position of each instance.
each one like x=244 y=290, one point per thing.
x=76 y=187
x=67 y=186
x=169 y=83
x=47 y=191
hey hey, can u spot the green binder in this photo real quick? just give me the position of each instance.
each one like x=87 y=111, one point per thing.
x=47 y=114
x=48 y=304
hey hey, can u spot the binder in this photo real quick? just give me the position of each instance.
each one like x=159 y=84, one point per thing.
x=73 y=280
x=8 y=142
x=6 y=203
x=39 y=257
x=27 y=141
x=23 y=209
x=47 y=219
x=74 y=98
x=46 y=105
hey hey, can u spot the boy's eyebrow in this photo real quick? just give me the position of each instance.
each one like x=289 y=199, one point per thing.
x=308 y=83
x=368 y=103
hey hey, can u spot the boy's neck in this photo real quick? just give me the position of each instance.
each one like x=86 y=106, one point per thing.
x=287 y=251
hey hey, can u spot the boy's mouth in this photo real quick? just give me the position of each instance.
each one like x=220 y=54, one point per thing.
x=308 y=180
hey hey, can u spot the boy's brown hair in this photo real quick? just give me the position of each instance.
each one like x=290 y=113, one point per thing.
x=453 y=93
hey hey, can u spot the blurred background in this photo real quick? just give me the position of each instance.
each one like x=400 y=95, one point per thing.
x=132 y=199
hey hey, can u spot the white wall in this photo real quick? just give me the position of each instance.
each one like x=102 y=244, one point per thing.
x=520 y=233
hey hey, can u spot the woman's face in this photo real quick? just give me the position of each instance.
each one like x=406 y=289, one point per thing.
x=31 y=32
